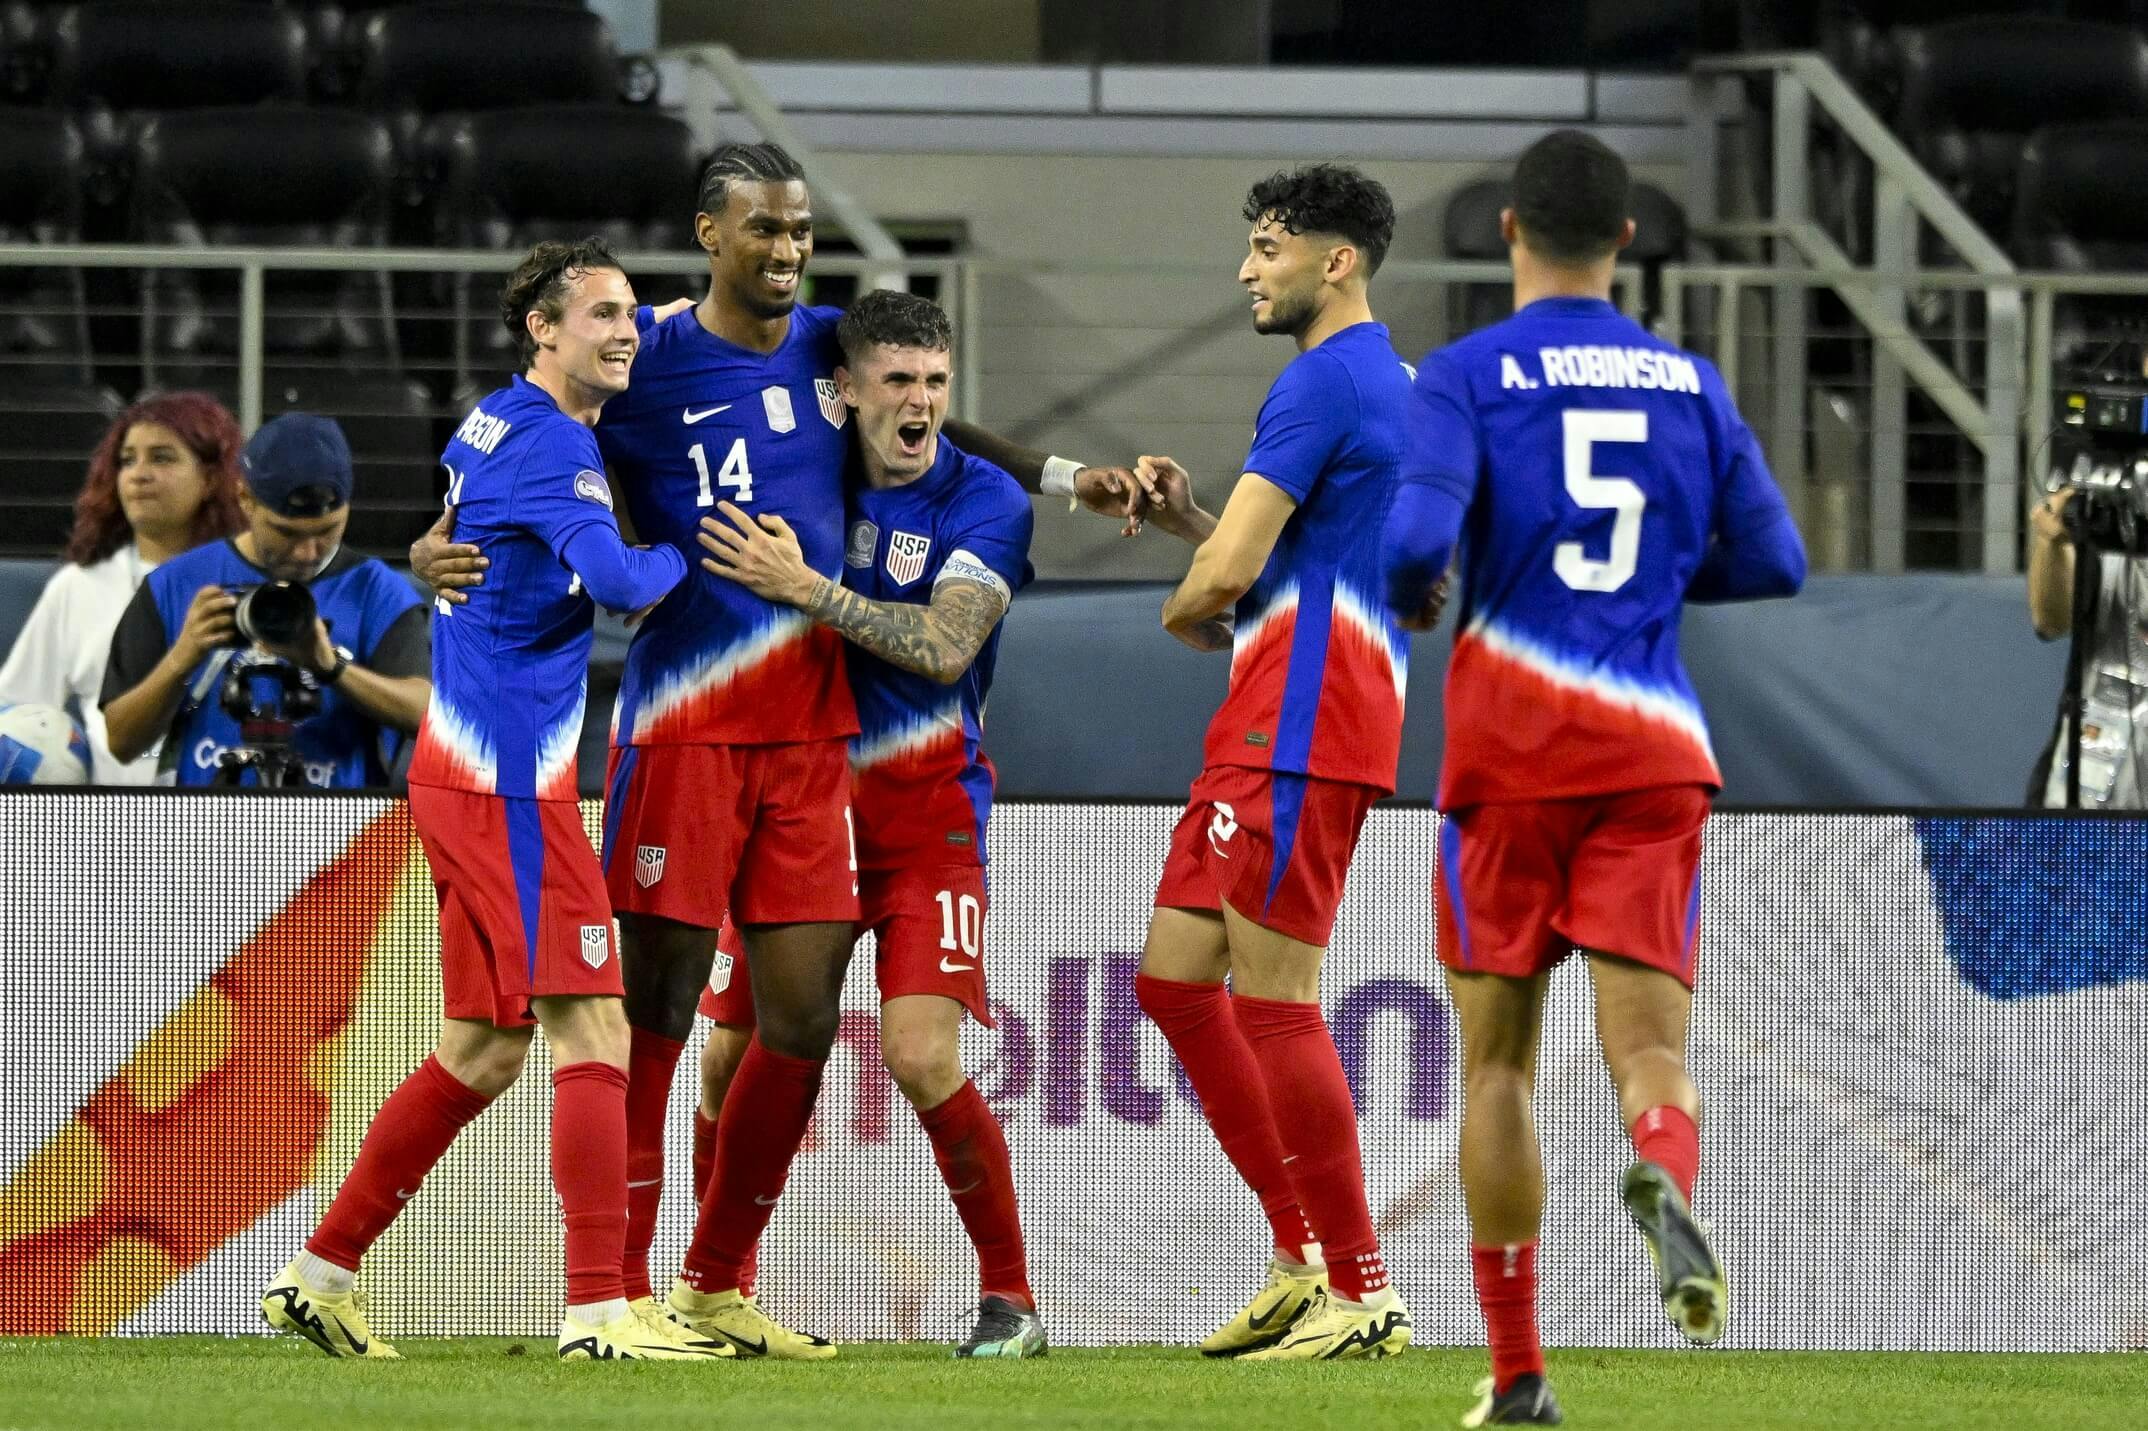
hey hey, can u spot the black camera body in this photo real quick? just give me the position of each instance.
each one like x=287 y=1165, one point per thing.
x=2100 y=451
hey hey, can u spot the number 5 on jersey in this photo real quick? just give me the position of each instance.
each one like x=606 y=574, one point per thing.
x=1584 y=428
x=734 y=473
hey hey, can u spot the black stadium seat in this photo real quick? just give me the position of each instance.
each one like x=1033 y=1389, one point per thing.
x=2081 y=206
x=130 y=55
x=1972 y=91
x=510 y=177
x=44 y=315
x=1469 y=228
x=453 y=56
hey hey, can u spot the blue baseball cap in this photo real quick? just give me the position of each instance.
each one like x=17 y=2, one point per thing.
x=299 y=465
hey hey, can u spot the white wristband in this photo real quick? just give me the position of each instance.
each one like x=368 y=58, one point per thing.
x=1058 y=479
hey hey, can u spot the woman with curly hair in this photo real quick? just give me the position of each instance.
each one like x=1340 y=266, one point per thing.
x=164 y=480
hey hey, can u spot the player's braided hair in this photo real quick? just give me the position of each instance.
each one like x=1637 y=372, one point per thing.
x=747 y=164
x=540 y=282
x=885 y=318
x=1328 y=199
x=1570 y=197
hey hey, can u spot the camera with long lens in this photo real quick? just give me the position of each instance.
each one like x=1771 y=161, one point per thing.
x=2101 y=453
x=267 y=696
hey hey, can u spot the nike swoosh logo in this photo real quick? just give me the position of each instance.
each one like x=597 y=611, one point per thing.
x=947 y=968
x=406 y=1196
x=957 y=1192
x=644 y=1183
x=1254 y=1324
x=766 y=1201
x=691 y=417
x=759 y=1348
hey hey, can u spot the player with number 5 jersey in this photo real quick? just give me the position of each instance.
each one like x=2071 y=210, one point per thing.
x=1597 y=479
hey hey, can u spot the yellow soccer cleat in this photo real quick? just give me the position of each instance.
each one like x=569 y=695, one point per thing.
x=744 y=1325
x=1337 y=1329
x=629 y=1337
x=334 y=1322
x=1274 y=1310
x=656 y=1318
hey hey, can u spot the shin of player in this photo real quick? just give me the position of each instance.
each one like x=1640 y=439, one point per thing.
x=938 y=545
x=1606 y=479
x=1306 y=740
x=526 y=929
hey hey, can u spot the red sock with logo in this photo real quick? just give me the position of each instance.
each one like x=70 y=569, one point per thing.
x=1198 y=1023
x=1668 y=1137
x=410 y=1133
x=763 y=1121
x=651 y=1061
x=589 y=1171
x=704 y=1174
x=1506 y=1294
x=1318 y=1125
x=971 y=1149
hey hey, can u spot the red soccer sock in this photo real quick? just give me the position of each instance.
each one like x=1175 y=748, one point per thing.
x=1506 y=1293
x=971 y=1149
x=651 y=1061
x=704 y=1174
x=408 y=1135
x=1197 y=1021
x=764 y=1120
x=1667 y=1137
x=589 y=1172
x=1318 y=1124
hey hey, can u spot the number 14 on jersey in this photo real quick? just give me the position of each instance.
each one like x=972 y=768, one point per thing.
x=734 y=473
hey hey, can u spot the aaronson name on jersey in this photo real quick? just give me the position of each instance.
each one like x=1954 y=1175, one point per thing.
x=1598 y=366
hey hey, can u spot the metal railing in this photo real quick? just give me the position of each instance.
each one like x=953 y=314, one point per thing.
x=1114 y=358
x=1806 y=89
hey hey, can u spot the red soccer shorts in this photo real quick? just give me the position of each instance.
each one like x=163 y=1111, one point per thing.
x=1521 y=885
x=1274 y=845
x=692 y=832
x=522 y=904
x=928 y=924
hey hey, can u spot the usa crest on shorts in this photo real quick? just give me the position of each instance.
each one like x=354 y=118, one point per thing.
x=906 y=556
x=832 y=406
x=596 y=944
x=648 y=864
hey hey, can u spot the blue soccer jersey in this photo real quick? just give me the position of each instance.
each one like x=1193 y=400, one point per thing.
x=707 y=421
x=1318 y=664
x=924 y=788
x=368 y=609
x=511 y=668
x=1602 y=478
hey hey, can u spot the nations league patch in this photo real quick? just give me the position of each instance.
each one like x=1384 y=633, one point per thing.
x=864 y=536
x=591 y=487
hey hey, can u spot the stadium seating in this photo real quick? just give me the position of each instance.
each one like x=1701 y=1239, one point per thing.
x=433 y=59
x=131 y=55
x=1972 y=90
x=44 y=317
x=2081 y=205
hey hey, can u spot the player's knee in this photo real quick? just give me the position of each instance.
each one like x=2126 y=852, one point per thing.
x=490 y=1069
x=1493 y=1080
x=927 y=1067
x=801 y=1033
x=719 y=1063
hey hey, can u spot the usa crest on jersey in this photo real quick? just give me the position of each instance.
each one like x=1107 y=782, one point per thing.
x=832 y=406
x=596 y=944
x=906 y=556
x=648 y=865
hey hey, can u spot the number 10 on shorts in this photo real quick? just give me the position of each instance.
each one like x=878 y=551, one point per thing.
x=961 y=923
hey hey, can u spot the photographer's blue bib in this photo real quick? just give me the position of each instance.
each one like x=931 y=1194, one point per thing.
x=341 y=747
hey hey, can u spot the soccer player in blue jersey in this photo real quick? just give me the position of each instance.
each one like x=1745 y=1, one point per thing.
x=939 y=544
x=1306 y=740
x=1596 y=479
x=525 y=927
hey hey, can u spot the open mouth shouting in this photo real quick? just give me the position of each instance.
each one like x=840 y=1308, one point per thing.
x=911 y=437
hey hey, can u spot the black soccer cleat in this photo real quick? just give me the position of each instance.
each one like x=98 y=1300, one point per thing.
x=1004 y=1330
x=1527 y=1401
x=1695 y=1295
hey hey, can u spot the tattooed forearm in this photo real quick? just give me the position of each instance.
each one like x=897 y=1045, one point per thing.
x=938 y=641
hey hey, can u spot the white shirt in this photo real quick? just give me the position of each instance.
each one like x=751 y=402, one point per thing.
x=62 y=650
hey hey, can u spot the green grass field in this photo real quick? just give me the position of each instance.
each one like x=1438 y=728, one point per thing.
x=184 y=1382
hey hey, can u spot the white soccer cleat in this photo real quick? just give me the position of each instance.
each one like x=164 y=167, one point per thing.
x=1337 y=1329
x=627 y=1337
x=336 y=1323
x=1289 y=1291
x=740 y=1321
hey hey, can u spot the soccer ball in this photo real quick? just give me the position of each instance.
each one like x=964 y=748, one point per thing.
x=42 y=745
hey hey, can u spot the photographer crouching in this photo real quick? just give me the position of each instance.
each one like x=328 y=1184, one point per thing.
x=275 y=657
